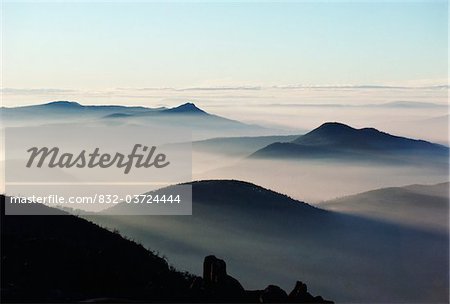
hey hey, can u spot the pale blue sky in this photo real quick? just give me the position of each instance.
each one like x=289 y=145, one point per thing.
x=95 y=46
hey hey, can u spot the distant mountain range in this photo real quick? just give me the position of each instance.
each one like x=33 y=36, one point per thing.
x=334 y=140
x=425 y=206
x=252 y=226
x=202 y=124
x=67 y=108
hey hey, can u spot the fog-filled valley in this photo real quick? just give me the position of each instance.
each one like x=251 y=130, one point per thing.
x=284 y=203
x=252 y=226
x=316 y=181
x=422 y=206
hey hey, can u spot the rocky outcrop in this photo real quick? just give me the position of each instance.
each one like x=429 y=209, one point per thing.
x=273 y=294
x=300 y=294
x=215 y=277
x=217 y=286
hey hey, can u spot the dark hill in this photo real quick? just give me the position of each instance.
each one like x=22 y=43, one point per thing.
x=238 y=198
x=333 y=134
x=337 y=254
x=54 y=258
x=245 y=195
x=64 y=258
x=339 y=141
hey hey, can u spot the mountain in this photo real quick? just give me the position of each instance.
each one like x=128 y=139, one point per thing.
x=67 y=108
x=201 y=124
x=346 y=257
x=63 y=258
x=424 y=206
x=187 y=108
x=241 y=197
x=188 y=116
x=58 y=258
x=337 y=140
x=343 y=136
x=59 y=104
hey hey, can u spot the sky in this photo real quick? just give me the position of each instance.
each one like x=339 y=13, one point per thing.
x=111 y=51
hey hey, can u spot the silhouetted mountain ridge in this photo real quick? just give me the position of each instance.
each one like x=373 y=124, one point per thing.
x=344 y=136
x=64 y=258
x=65 y=108
x=237 y=196
x=252 y=226
x=187 y=116
x=337 y=140
x=187 y=108
x=60 y=257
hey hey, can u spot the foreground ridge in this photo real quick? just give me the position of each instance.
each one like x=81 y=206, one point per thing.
x=70 y=259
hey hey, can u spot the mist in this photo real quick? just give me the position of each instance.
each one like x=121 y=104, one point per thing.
x=316 y=181
x=268 y=239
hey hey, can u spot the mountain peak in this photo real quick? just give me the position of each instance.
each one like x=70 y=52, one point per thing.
x=334 y=126
x=334 y=140
x=186 y=108
x=326 y=131
x=339 y=133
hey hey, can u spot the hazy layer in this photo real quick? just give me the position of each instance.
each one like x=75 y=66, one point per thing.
x=422 y=206
x=292 y=107
x=314 y=181
x=268 y=239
